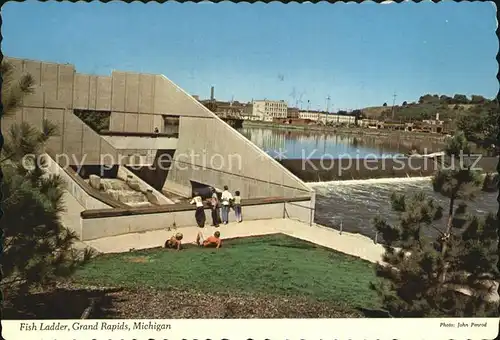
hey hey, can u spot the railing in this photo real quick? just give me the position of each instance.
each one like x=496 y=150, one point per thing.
x=166 y=208
x=311 y=211
x=138 y=134
x=340 y=225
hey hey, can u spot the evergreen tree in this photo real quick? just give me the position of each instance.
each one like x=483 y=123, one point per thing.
x=452 y=272
x=483 y=129
x=37 y=249
x=14 y=89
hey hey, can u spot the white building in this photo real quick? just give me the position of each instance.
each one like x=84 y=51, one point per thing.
x=337 y=119
x=311 y=115
x=325 y=117
x=436 y=121
x=267 y=110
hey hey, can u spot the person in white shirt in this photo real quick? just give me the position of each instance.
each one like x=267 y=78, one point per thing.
x=237 y=206
x=226 y=202
x=200 y=210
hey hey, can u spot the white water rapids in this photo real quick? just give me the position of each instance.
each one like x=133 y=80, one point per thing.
x=357 y=202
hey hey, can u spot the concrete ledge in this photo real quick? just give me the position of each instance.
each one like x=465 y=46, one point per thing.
x=138 y=134
x=141 y=143
x=101 y=226
x=102 y=213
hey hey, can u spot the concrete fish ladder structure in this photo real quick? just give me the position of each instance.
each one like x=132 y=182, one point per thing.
x=203 y=150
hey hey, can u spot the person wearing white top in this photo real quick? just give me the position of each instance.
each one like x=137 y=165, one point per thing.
x=237 y=206
x=200 y=210
x=226 y=202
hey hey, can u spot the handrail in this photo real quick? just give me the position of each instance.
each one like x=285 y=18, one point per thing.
x=101 y=213
x=302 y=206
x=311 y=210
x=138 y=134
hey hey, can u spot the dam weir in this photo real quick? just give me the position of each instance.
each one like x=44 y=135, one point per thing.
x=341 y=169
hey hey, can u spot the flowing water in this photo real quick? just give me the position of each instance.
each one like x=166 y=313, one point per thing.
x=355 y=203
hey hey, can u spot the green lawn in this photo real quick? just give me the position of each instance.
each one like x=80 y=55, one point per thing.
x=276 y=265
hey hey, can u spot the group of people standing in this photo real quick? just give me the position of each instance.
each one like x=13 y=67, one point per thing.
x=220 y=208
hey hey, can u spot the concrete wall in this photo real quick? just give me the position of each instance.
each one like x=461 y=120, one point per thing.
x=140 y=100
x=92 y=92
x=58 y=89
x=156 y=174
x=151 y=143
x=71 y=219
x=302 y=211
x=73 y=188
x=137 y=103
x=225 y=157
x=93 y=228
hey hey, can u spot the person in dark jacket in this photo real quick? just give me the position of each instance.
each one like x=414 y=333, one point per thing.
x=214 y=205
x=200 y=210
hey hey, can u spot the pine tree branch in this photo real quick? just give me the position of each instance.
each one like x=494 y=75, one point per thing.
x=8 y=283
x=437 y=229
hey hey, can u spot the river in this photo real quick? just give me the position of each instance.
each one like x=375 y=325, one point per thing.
x=357 y=202
x=293 y=144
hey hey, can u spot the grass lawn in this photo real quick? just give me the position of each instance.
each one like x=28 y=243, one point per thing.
x=271 y=265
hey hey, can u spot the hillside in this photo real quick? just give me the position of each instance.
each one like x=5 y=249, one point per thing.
x=427 y=107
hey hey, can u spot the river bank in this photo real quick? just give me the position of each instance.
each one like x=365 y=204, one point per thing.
x=348 y=131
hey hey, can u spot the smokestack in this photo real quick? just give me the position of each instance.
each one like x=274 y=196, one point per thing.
x=212 y=93
x=437 y=116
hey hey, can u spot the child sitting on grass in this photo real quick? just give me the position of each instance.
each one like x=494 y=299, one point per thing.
x=174 y=242
x=237 y=206
x=210 y=242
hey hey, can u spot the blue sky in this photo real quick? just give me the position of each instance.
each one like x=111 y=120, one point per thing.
x=357 y=54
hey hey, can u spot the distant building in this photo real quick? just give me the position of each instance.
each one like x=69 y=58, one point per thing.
x=267 y=110
x=336 y=118
x=326 y=117
x=435 y=121
x=225 y=109
x=292 y=112
x=311 y=115
x=370 y=123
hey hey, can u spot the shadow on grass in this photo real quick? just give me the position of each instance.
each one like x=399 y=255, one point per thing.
x=61 y=304
x=294 y=245
x=374 y=313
